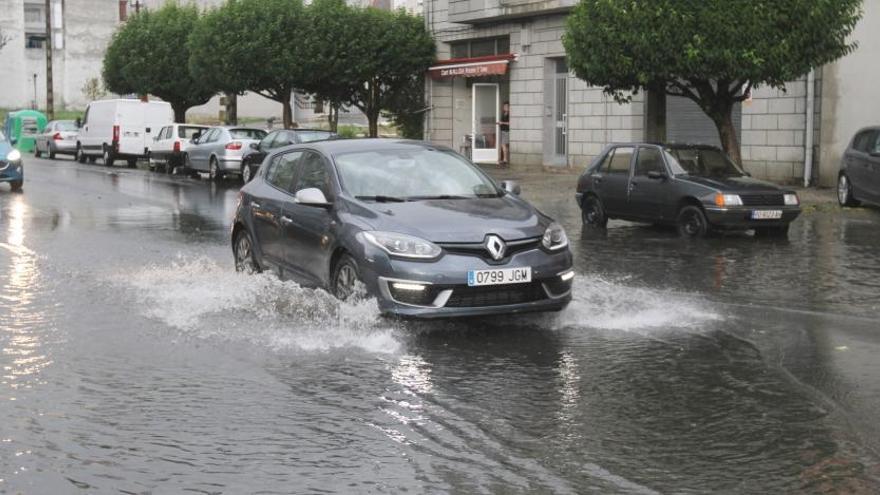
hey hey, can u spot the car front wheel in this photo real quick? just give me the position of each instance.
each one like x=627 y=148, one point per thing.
x=246 y=174
x=345 y=278
x=691 y=222
x=245 y=260
x=214 y=171
x=80 y=156
x=844 y=192
x=593 y=213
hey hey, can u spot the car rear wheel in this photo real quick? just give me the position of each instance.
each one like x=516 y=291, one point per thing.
x=108 y=157
x=691 y=222
x=132 y=162
x=345 y=278
x=37 y=152
x=844 y=192
x=243 y=250
x=593 y=213
x=214 y=171
x=17 y=185
x=50 y=150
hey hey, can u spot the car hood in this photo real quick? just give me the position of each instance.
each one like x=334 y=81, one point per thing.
x=459 y=220
x=733 y=184
x=5 y=148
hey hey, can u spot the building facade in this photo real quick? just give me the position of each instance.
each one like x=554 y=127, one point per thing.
x=495 y=51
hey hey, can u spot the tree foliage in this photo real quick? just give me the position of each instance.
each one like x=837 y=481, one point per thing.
x=711 y=51
x=148 y=55
x=4 y=38
x=252 y=45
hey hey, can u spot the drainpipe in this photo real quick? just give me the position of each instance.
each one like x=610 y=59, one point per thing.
x=429 y=100
x=808 y=140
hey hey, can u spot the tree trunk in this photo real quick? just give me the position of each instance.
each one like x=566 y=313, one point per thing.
x=727 y=132
x=179 y=112
x=231 y=109
x=333 y=115
x=373 y=119
x=287 y=112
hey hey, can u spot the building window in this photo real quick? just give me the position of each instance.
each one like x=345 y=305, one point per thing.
x=480 y=48
x=33 y=15
x=33 y=40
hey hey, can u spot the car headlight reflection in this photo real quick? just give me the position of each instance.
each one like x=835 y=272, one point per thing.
x=554 y=237
x=403 y=245
x=791 y=200
x=13 y=156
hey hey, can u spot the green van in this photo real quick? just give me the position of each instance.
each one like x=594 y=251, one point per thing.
x=22 y=127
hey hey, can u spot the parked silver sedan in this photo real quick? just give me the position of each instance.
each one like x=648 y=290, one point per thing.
x=58 y=138
x=219 y=150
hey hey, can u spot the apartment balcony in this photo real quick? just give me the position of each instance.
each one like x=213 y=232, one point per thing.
x=481 y=11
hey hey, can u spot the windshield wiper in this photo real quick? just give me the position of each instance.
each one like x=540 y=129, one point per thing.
x=439 y=196
x=383 y=199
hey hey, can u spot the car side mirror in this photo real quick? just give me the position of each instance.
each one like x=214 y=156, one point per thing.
x=653 y=174
x=311 y=196
x=511 y=187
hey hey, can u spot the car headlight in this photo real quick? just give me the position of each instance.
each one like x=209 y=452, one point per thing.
x=13 y=156
x=792 y=200
x=402 y=245
x=728 y=200
x=554 y=237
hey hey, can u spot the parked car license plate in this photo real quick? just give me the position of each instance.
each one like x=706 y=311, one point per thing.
x=766 y=214
x=500 y=276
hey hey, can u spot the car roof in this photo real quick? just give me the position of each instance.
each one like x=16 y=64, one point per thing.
x=671 y=145
x=339 y=146
x=298 y=129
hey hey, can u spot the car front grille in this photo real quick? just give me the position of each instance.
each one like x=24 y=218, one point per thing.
x=464 y=296
x=763 y=199
x=479 y=249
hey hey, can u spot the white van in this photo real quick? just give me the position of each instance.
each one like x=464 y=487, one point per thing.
x=120 y=129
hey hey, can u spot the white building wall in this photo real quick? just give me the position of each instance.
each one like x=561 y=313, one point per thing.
x=14 y=89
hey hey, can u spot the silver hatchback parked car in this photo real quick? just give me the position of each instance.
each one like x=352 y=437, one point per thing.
x=218 y=151
x=859 y=177
x=58 y=138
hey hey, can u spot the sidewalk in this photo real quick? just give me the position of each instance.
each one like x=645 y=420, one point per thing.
x=564 y=183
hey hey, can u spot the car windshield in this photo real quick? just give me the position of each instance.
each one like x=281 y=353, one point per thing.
x=309 y=136
x=247 y=134
x=188 y=132
x=65 y=126
x=705 y=162
x=411 y=174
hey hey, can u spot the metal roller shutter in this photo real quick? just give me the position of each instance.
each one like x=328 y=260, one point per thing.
x=686 y=122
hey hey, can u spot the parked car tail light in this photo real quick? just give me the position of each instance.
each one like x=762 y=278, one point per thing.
x=792 y=200
x=115 y=133
x=728 y=200
x=57 y=136
x=176 y=146
x=235 y=145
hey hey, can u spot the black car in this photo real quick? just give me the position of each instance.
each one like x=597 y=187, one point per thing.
x=694 y=187
x=859 y=178
x=276 y=139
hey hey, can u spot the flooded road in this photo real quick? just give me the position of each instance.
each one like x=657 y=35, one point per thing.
x=134 y=360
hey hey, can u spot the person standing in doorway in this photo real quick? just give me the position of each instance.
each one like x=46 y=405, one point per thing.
x=504 y=128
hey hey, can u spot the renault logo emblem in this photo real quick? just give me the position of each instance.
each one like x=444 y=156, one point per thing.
x=495 y=246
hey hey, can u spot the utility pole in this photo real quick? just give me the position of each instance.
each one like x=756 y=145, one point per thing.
x=50 y=97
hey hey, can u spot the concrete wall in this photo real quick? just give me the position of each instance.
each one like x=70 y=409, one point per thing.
x=12 y=57
x=850 y=98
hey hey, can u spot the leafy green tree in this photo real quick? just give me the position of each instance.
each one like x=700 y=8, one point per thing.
x=711 y=51
x=386 y=50
x=148 y=55
x=252 y=45
x=407 y=108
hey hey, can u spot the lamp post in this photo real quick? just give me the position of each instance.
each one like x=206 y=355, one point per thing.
x=50 y=96
x=34 y=106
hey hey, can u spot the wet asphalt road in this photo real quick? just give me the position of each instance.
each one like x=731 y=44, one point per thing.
x=134 y=360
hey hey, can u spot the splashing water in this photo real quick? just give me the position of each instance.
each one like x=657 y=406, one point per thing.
x=207 y=300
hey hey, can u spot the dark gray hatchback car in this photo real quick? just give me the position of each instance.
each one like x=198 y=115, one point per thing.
x=418 y=226
x=696 y=188
x=859 y=177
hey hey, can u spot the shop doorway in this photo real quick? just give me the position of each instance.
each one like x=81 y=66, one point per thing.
x=485 y=113
x=556 y=114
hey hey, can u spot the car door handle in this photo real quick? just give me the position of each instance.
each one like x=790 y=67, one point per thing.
x=256 y=205
x=286 y=220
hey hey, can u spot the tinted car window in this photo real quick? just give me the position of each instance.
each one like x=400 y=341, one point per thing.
x=876 y=147
x=649 y=160
x=281 y=171
x=186 y=131
x=705 y=162
x=2 y=137
x=247 y=133
x=620 y=161
x=863 y=141
x=312 y=173
x=65 y=125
